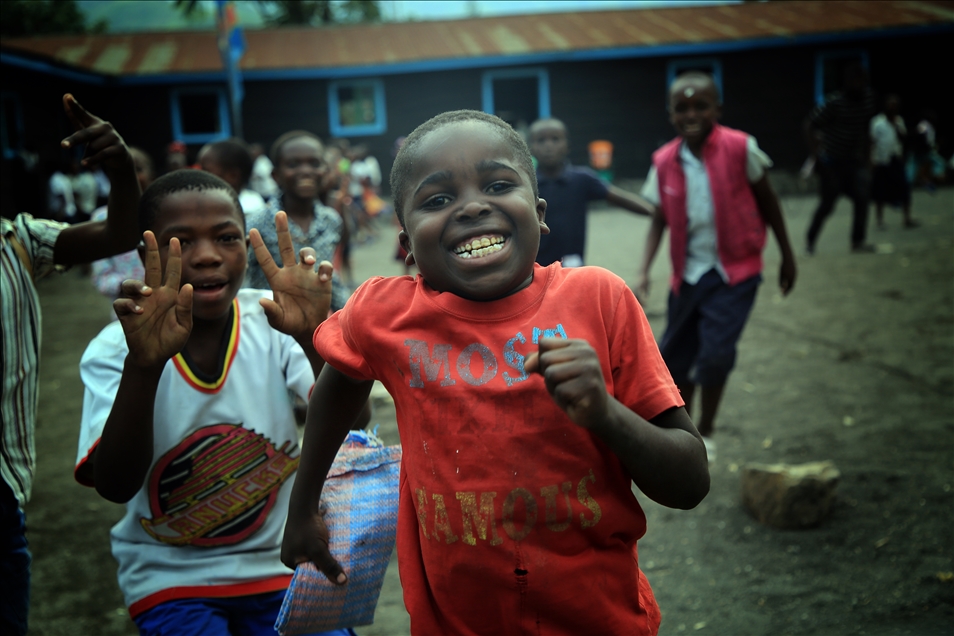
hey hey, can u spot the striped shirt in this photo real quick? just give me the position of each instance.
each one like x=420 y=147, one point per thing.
x=844 y=125
x=21 y=330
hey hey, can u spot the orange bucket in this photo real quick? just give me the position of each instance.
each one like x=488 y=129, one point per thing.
x=601 y=154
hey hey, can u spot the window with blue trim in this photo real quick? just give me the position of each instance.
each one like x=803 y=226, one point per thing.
x=11 y=124
x=830 y=69
x=357 y=108
x=519 y=96
x=200 y=115
x=709 y=65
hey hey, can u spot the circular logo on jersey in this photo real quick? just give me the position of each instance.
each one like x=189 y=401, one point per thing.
x=216 y=487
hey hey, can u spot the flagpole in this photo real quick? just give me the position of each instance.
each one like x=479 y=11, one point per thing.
x=231 y=47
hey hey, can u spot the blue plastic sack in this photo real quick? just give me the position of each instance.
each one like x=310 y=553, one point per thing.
x=359 y=503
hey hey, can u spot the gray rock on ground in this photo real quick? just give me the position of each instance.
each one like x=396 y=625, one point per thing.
x=789 y=495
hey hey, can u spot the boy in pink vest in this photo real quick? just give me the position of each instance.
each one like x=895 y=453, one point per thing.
x=711 y=189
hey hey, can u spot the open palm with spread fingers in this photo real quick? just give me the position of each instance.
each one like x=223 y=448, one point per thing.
x=156 y=315
x=301 y=295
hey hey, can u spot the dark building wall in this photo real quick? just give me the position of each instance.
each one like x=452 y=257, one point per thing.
x=767 y=93
x=416 y=97
x=621 y=101
x=272 y=108
x=144 y=120
x=44 y=126
x=140 y=113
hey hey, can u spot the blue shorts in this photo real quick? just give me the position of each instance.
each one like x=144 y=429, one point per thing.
x=705 y=323
x=253 y=615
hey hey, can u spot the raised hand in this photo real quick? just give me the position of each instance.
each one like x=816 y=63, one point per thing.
x=574 y=378
x=156 y=315
x=301 y=295
x=104 y=144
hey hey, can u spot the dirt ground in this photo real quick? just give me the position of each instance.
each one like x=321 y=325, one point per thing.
x=856 y=366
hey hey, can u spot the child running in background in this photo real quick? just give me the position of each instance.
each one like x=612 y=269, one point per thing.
x=889 y=183
x=109 y=273
x=713 y=193
x=300 y=171
x=186 y=417
x=568 y=189
x=528 y=400
x=231 y=161
x=29 y=250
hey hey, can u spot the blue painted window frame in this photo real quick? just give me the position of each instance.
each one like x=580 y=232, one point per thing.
x=11 y=151
x=200 y=138
x=543 y=87
x=380 y=125
x=674 y=67
x=822 y=56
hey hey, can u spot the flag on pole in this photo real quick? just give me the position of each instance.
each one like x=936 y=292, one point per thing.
x=232 y=46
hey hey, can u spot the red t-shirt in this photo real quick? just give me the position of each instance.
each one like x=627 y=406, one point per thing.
x=512 y=518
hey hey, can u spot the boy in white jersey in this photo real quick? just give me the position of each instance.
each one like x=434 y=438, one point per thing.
x=186 y=417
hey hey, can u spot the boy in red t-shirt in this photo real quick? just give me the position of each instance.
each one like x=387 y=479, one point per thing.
x=529 y=399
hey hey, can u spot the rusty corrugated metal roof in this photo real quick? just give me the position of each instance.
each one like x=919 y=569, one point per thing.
x=395 y=43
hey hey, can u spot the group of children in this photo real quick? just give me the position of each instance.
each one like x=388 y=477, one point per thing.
x=530 y=395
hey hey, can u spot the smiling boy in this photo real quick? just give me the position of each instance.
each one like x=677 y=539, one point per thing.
x=528 y=400
x=300 y=172
x=186 y=417
x=713 y=193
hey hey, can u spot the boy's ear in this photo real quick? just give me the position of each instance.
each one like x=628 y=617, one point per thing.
x=541 y=215
x=405 y=242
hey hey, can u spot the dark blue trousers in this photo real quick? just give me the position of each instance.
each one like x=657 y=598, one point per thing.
x=14 y=565
x=705 y=323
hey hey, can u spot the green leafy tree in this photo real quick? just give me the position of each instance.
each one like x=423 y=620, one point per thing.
x=21 y=18
x=306 y=12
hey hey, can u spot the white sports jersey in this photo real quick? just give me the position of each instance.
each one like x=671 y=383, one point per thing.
x=210 y=516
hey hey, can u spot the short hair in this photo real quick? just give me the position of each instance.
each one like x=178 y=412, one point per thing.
x=233 y=153
x=697 y=75
x=404 y=162
x=547 y=121
x=184 y=180
x=275 y=153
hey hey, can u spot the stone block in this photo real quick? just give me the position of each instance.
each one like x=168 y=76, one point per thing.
x=790 y=495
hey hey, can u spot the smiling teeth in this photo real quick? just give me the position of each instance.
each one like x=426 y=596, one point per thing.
x=480 y=247
x=484 y=251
